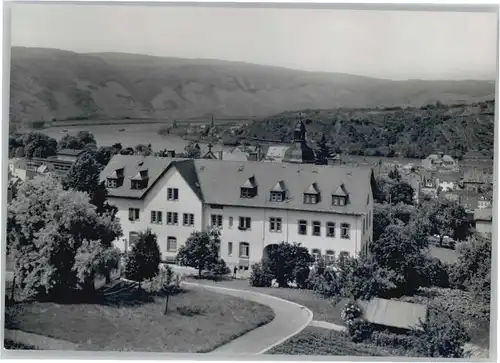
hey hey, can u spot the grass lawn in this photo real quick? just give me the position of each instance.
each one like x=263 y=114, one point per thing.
x=319 y=341
x=445 y=255
x=198 y=321
x=322 y=308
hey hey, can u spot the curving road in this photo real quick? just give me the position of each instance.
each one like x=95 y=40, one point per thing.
x=290 y=319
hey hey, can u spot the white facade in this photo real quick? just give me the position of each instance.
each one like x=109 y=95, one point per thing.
x=258 y=236
x=484 y=227
x=157 y=200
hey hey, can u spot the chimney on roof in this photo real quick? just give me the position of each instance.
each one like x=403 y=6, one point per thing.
x=171 y=153
x=210 y=147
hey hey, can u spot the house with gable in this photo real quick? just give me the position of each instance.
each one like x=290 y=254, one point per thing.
x=328 y=209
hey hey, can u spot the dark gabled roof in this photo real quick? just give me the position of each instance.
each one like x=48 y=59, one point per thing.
x=70 y=152
x=141 y=175
x=340 y=191
x=250 y=182
x=312 y=189
x=221 y=181
x=279 y=187
x=130 y=163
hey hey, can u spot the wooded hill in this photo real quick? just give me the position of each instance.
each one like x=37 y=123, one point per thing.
x=411 y=132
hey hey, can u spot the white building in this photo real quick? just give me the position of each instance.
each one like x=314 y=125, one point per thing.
x=328 y=209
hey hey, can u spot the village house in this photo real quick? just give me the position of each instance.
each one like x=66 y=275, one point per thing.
x=475 y=180
x=328 y=209
x=18 y=168
x=57 y=165
x=483 y=220
x=440 y=161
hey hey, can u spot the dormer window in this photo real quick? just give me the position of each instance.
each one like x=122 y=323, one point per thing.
x=311 y=194
x=115 y=179
x=340 y=196
x=249 y=188
x=140 y=180
x=278 y=192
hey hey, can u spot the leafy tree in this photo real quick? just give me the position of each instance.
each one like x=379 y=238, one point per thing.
x=104 y=154
x=201 y=250
x=166 y=283
x=401 y=249
x=78 y=142
x=384 y=215
x=39 y=145
x=84 y=176
x=394 y=174
x=473 y=268
x=127 y=151
x=52 y=233
x=288 y=262
x=144 y=258
x=447 y=219
x=142 y=149
x=441 y=336
x=401 y=193
x=191 y=151
x=323 y=151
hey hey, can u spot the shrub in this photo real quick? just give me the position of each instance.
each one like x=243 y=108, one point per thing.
x=190 y=310
x=326 y=284
x=220 y=268
x=350 y=312
x=144 y=258
x=360 y=330
x=383 y=338
x=260 y=276
x=165 y=283
x=301 y=276
x=434 y=273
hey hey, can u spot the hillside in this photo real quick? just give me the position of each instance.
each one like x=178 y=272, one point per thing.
x=49 y=83
x=411 y=132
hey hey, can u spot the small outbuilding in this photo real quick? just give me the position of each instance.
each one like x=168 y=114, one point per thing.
x=396 y=315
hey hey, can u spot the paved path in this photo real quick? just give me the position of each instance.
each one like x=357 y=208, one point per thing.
x=327 y=325
x=290 y=319
x=39 y=341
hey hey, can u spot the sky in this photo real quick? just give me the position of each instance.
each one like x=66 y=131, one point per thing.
x=384 y=44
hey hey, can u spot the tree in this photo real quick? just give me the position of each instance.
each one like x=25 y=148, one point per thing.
x=400 y=249
x=144 y=258
x=104 y=154
x=84 y=176
x=201 y=250
x=52 y=233
x=191 y=151
x=166 y=283
x=78 y=142
x=395 y=175
x=473 y=269
x=447 y=219
x=441 y=336
x=39 y=145
x=19 y=152
x=288 y=262
x=401 y=193
x=142 y=149
x=384 y=215
x=323 y=151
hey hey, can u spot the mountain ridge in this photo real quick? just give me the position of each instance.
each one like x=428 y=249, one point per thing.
x=58 y=84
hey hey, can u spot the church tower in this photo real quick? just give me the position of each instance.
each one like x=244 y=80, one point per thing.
x=299 y=152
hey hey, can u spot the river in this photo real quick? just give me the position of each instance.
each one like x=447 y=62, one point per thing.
x=107 y=135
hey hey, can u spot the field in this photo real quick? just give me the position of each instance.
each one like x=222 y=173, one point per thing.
x=197 y=321
x=319 y=341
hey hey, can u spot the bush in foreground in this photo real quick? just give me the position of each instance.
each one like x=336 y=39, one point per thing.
x=260 y=277
x=144 y=258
